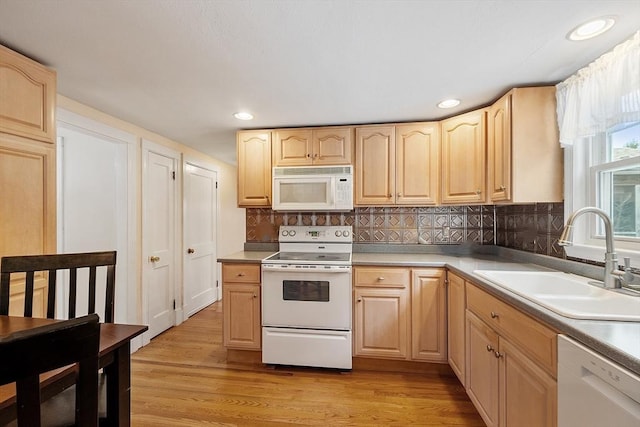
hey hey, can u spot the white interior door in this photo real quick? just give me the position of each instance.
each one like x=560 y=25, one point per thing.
x=96 y=207
x=200 y=231
x=158 y=235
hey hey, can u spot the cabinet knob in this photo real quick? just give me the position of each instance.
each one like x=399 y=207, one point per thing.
x=494 y=315
x=399 y=194
x=380 y=279
x=191 y=251
x=502 y=188
x=154 y=258
x=499 y=355
x=240 y=274
x=489 y=347
x=390 y=195
x=359 y=299
x=255 y=296
x=478 y=192
x=308 y=155
x=315 y=156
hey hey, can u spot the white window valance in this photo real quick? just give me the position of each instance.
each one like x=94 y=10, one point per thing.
x=603 y=94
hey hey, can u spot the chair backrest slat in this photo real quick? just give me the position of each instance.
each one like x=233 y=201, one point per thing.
x=31 y=264
x=28 y=294
x=51 y=294
x=73 y=291
x=109 y=303
x=92 y=289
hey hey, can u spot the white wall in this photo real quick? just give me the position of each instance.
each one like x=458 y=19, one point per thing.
x=232 y=219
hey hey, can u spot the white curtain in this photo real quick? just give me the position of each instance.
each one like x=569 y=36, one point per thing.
x=603 y=94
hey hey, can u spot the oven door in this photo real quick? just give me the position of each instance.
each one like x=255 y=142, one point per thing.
x=316 y=297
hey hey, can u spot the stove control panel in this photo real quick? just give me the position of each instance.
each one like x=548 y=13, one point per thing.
x=321 y=233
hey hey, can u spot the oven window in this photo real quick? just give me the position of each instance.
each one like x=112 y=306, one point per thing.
x=305 y=290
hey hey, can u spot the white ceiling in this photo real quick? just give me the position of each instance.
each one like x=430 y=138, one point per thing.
x=181 y=68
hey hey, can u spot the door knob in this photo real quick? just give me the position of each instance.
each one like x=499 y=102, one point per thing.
x=191 y=251
x=154 y=258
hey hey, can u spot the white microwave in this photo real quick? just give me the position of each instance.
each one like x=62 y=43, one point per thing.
x=313 y=188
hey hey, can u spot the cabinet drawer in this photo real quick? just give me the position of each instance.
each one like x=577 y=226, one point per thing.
x=535 y=339
x=241 y=273
x=381 y=277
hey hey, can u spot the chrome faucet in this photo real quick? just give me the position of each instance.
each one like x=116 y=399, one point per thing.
x=612 y=276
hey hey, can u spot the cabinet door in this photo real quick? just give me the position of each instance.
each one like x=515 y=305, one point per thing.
x=482 y=369
x=463 y=158
x=375 y=165
x=456 y=325
x=381 y=323
x=292 y=147
x=333 y=146
x=417 y=164
x=27 y=104
x=499 y=149
x=428 y=314
x=528 y=395
x=241 y=316
x=27 y=209
x=254 y=168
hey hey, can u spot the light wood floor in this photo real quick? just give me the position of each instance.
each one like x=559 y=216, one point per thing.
x=182 y=378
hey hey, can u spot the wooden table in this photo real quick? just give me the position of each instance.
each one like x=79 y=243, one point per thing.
x=115 y=358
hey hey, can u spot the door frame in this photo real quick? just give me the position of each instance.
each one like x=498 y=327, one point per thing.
x=146 y=147
x=194 y=161
x=79 y=123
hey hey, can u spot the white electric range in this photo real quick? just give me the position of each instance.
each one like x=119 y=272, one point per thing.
x=306 y=298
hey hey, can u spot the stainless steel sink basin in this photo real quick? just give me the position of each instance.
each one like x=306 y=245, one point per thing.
x=567 y=294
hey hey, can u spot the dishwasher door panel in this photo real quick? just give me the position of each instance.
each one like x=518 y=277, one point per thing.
x=594 y=391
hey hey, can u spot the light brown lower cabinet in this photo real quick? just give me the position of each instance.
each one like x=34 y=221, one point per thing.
x=381 y=312
x=504 y=380
x=400 y=313
x=428 y=315
x=241 y=306
x=456 y=303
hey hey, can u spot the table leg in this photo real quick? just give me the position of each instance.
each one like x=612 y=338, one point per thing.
x=119 y=388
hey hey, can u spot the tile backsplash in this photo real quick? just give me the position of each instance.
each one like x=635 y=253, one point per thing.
x=533 y=228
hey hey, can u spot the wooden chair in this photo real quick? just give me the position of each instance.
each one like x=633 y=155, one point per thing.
x=31 y=264
x=26 y=354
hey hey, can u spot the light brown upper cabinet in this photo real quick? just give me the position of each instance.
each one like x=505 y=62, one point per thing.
x=318 y=146
x=463 y=158
x=397 y=165
x=254 y=168
x=375 y=179
x=417 y=163
x=524 y=155
x=27 y=167
x=27 y=104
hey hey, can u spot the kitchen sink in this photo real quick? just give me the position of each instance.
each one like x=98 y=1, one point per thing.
x=567 y=294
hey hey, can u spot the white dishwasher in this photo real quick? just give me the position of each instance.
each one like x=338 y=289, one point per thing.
x=593 y=390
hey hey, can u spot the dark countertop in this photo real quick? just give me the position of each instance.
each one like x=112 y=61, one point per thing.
x=619 y=341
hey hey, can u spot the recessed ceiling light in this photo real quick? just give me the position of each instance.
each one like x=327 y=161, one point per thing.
x=449 y=103
x=592 y=28
x=243 y=115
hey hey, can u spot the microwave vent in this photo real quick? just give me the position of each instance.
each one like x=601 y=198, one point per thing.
x=314 y=170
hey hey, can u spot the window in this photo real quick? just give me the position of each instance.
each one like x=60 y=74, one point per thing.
x=599 y=122
x=615 y=176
